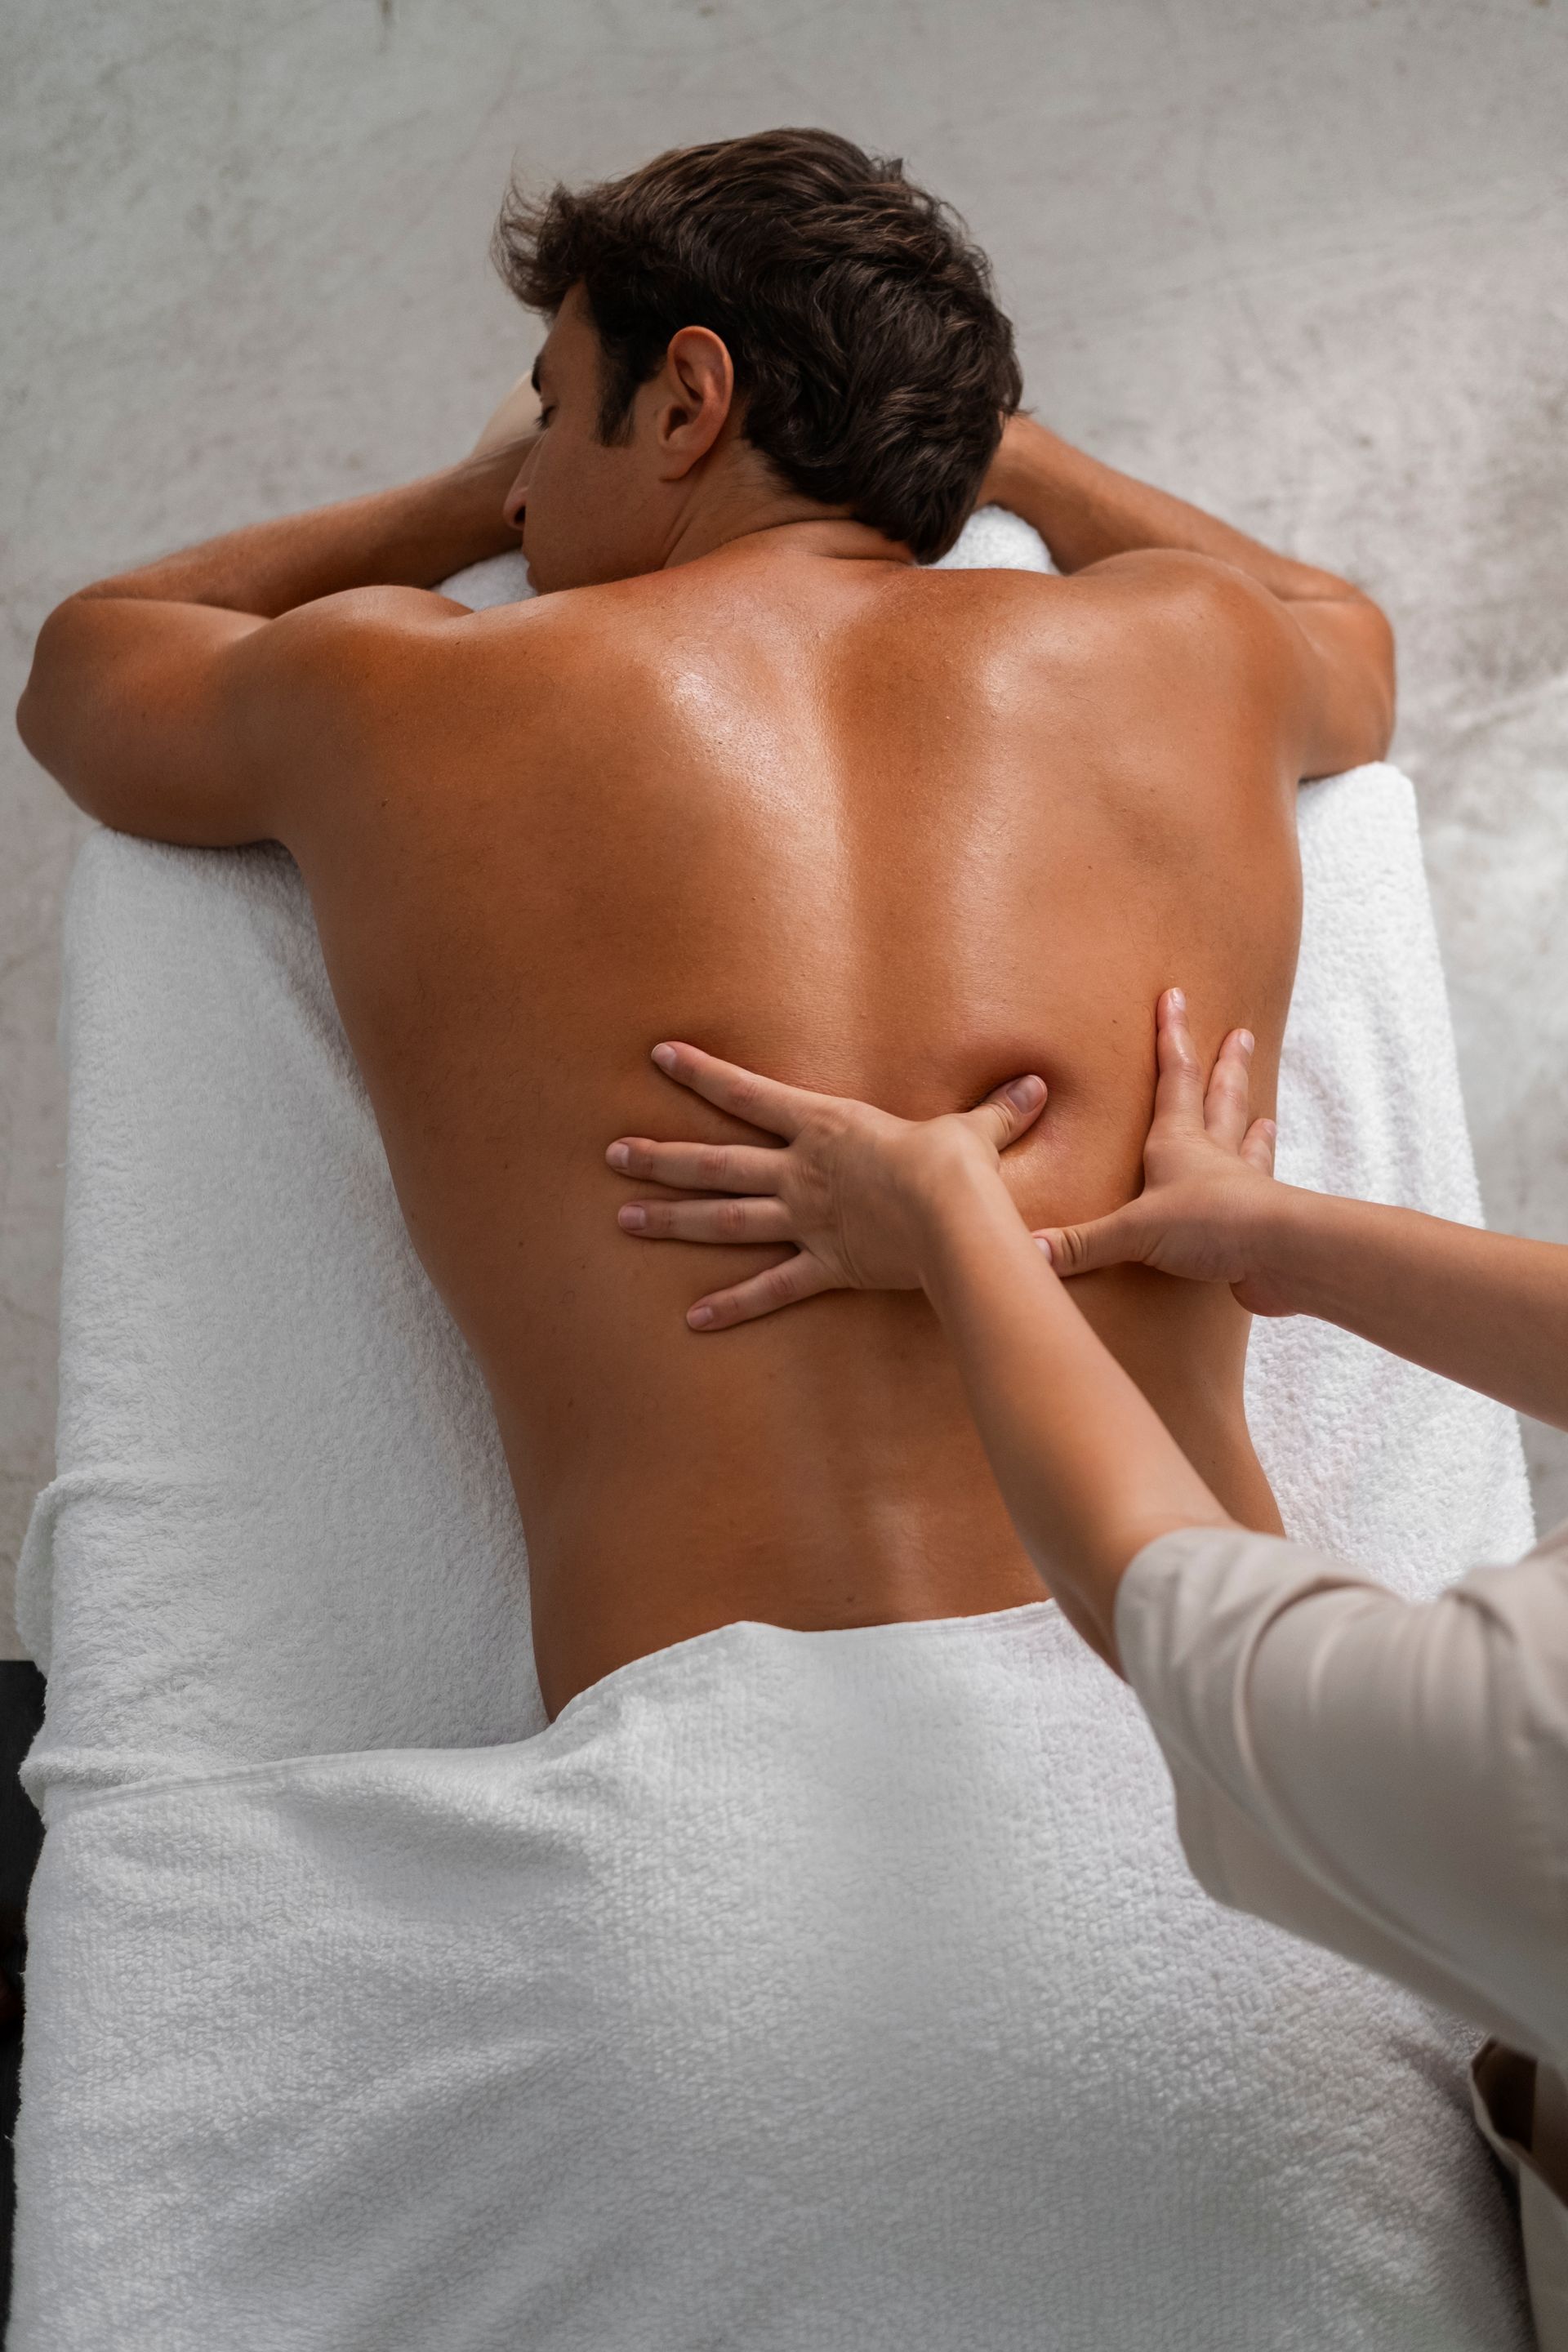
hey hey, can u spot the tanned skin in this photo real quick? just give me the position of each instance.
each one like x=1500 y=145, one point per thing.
x=1089 y=1473
x=743 y=774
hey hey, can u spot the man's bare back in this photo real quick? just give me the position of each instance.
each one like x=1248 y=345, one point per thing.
x=891 y=833
x=750 y=777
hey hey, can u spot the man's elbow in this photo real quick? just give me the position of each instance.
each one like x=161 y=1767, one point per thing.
x=29 y=726
x=1350 y=683
x=1381 y=680
x=59 y=715
x=43 y=712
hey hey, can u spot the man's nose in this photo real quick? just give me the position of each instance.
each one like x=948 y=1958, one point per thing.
x=514 y=507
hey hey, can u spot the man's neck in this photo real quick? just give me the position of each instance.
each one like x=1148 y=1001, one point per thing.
x=736 y=508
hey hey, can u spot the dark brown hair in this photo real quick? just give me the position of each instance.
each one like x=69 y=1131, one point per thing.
x=874 y=364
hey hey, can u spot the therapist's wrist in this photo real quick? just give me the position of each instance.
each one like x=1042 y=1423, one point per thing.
x=956 y=1205
x=1287 y=1248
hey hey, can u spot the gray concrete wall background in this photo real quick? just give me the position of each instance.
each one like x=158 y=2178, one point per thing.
x=1306 y=265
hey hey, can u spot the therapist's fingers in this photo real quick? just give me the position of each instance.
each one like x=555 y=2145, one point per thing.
x=762 y=1102
x=707 y=1220
x=697 y=1167
x=1228 y=1100
x=801 y=1277
x=1179 y=1090
x=1008 y=1111
x=1084 y=1249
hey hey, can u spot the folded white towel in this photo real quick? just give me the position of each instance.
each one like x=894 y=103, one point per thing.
x=792 y=1990
x=282 y=1524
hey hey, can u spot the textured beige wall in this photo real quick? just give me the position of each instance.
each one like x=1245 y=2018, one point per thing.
x=1307 y=264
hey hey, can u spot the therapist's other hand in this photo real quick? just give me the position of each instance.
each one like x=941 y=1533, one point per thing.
x=1208 y=1175
x=848 y=1185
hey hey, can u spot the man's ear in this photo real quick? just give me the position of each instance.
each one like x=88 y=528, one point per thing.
x=693 y=397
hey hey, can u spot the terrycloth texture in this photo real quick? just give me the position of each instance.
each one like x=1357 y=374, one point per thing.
x=1406 y=1474
x=282 y=1524
x=793 y=1992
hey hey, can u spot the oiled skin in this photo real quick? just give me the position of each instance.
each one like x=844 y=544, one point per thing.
x=743 y=775
x=892 y=833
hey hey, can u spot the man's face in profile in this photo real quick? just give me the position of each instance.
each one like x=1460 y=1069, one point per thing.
x=590 y=510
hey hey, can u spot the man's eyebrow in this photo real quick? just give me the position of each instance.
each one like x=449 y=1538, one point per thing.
x=533 y=376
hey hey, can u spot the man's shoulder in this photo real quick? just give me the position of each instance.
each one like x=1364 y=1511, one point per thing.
x=392 y=649
x=1156 y=584
x=1170 y=662
x=1186 y=625
x=401 y=672
x=1184 y=596
x=370 y=616
x=342 y=648
x=1169 y=583
x=366 y=624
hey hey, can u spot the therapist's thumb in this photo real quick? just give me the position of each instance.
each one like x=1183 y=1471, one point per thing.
x=1082 y=1249
x=1008 y=1111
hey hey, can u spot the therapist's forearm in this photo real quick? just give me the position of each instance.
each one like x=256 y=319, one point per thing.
x=1088 y=1471
x=1488 y=1310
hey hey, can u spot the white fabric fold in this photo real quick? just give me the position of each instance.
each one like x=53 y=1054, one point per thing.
x=792 y=1990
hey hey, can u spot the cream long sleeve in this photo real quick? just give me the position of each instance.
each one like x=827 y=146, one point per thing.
x=1384 y=1777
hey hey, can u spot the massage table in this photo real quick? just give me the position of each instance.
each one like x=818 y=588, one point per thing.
x=366 y=2009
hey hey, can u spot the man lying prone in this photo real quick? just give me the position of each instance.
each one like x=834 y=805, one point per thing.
x=745 y=771
x=870 y=2003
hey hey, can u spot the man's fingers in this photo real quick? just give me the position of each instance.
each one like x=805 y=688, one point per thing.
x=1179 y=1090
x=763 y=1102
x=801 y=1277
x=707 y=1220
x=1228 y=1098
x=1257 y=1145
x=1083 y=1249
x=1009 y=1111
x=697 y=1167
x=514 y=420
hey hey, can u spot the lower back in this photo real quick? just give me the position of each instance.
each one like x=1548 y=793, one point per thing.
x=818 y=1468
x=814 y=1470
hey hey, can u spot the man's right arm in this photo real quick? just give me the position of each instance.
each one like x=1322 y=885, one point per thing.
x=1336 y=646
x=175 y=700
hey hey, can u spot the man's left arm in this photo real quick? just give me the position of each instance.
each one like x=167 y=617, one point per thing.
x=171 y=701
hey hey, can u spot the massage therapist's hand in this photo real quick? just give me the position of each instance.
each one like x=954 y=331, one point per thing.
x=1208 y=1177
x=851 y=1186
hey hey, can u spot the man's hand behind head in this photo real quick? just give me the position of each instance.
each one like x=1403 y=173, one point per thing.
x=515 y=422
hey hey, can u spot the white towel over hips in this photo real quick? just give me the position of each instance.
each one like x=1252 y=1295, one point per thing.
x=794 y=1992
